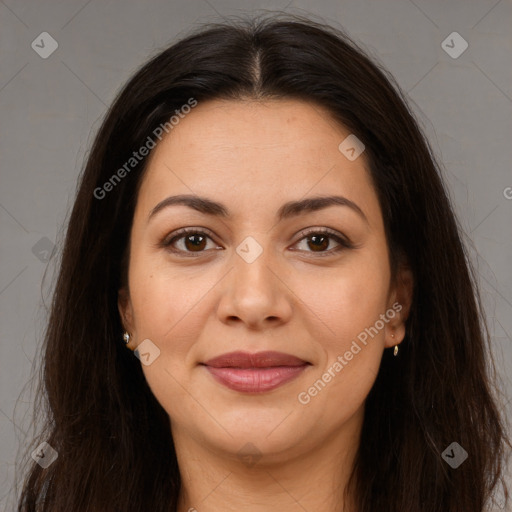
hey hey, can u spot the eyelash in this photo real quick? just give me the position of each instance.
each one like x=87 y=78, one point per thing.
x=178 y=235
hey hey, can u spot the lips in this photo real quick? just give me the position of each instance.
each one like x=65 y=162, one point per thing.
x=255 y=373
x=257 y=360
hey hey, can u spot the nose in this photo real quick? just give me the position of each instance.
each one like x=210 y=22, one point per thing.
x=255 y=292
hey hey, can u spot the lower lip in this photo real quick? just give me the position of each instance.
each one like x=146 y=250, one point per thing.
x=255 y=380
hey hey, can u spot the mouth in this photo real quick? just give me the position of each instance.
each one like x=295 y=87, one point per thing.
x=255 y=373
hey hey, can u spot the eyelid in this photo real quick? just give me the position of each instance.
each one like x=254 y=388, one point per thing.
x=185 y=231
x=343 y=239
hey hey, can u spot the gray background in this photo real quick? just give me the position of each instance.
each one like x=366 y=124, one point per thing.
x=51 y=107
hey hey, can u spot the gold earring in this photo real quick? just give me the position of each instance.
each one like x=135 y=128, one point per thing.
x=126 y=338
x=395 y=352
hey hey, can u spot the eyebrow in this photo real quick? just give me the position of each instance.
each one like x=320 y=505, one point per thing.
x=287 y=210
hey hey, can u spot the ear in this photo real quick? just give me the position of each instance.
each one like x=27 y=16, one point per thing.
x=124 y=304
x=400 y=302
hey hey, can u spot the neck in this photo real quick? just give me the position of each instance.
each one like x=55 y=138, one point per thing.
x=310 y=479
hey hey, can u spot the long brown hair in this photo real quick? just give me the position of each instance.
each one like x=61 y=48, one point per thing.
x=115 y=450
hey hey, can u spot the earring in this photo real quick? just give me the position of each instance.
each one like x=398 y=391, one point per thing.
x=127 y=338
x=395 y=352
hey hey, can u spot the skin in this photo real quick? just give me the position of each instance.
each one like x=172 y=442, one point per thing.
x=253 y=156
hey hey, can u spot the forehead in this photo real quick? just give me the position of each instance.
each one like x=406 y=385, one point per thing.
x=256 y=151
x=247 y=127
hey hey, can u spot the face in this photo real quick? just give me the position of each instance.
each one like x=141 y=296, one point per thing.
x=251 y=275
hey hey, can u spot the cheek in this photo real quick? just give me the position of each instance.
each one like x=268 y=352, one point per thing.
x=166 y=305
x=169 y=309
x=351 y=348
x=348 y=309
x=347 y=301
x=171 y=306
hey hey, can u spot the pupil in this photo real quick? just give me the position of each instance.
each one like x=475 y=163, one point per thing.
x=196 y=244
x=316 y=238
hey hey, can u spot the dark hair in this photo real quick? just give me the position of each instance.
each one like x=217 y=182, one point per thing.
x=113 y=437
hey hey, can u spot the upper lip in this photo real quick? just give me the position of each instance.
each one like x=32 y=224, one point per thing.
x=257 y=360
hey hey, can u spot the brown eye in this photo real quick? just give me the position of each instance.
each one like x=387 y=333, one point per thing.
x=319 y=240
x=188 y=241
x=194 y=242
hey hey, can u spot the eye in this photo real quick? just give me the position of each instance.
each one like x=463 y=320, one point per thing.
x=318 y=240
x=193 y=241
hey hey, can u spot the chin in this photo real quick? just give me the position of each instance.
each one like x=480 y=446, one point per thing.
x=271 y=430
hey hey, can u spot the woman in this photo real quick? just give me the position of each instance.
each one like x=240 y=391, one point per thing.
x=263 y=224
